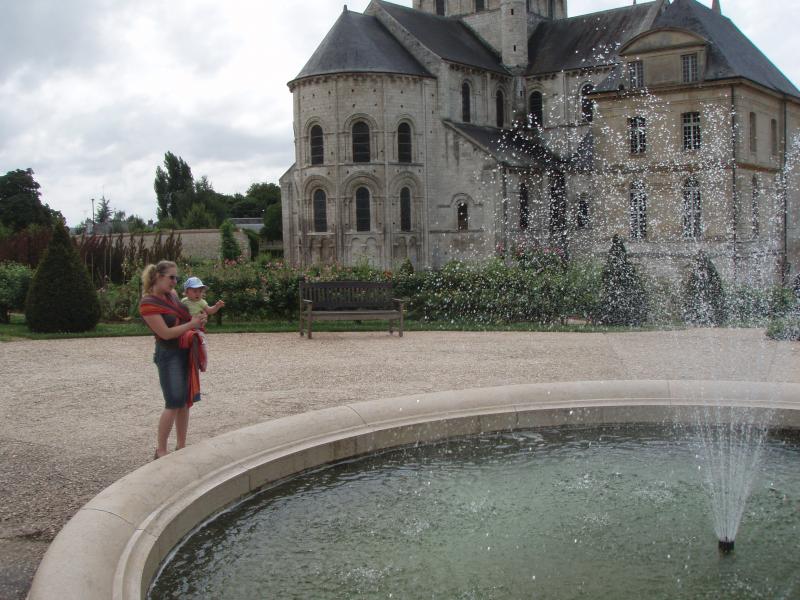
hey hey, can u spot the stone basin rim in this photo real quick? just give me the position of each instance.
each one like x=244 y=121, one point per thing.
x=113 y=546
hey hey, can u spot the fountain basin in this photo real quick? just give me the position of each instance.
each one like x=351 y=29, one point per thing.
x=113 y=546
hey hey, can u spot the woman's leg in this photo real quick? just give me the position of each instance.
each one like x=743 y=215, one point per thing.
x=181 y=426
x=165 y=423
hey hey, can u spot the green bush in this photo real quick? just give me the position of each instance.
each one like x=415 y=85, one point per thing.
x=255 y=242
x=703 y=294
x=785 y=328
x=664 y=306
x=229 y=247
x=623 y=300
x=119 y=302
x=61 y=296
x=14 y=282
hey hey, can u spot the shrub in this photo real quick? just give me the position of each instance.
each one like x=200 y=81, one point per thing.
x=786 y=328
x=796 y=287
x=229 y=247
x=119 y=302
x=61 y=295
x=14 y=282
x=116 y=258
x=623 y=300
x=27 y=246
x=254 y=240
x=703 y=294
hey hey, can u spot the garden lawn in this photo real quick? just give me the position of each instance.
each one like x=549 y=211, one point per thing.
x=17 y=330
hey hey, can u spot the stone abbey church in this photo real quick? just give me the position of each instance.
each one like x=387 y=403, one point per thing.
x=467 y=129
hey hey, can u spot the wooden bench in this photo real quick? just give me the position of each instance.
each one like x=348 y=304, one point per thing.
x=349 y=301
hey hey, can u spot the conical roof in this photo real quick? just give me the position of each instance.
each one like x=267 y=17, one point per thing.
x=360 y=44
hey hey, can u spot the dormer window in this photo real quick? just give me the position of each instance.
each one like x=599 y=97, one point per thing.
x=636 y=74
x=689 y=67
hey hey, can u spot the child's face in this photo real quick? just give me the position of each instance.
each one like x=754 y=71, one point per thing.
x=194 y=293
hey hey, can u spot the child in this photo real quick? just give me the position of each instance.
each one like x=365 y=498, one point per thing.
x=194 y=302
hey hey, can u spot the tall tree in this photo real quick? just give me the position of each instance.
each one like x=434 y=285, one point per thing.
x=20 y=204
x=102 y=213
x=264 y=194
x=174 y=187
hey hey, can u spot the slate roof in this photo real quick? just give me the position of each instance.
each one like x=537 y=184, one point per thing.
x=507 y=146
x=360 y=44
x=586 y=40
x=447 y=37
x=730 y=52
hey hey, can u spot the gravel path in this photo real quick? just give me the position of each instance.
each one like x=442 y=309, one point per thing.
x=75 y=415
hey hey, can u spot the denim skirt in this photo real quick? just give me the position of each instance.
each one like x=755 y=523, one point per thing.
x=173 y=374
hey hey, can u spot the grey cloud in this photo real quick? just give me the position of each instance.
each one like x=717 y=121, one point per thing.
x=40 y=36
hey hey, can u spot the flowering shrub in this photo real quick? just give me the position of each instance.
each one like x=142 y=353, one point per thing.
x=14 y=282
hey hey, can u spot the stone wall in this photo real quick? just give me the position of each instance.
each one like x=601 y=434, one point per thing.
x=196 y=244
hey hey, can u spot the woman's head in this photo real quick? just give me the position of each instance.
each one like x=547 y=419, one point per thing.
x=160 y=278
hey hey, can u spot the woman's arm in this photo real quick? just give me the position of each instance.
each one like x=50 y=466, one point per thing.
x=159 y=327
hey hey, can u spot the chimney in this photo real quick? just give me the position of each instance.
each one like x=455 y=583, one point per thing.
x=716 y=7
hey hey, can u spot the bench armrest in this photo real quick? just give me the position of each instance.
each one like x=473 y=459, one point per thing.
x=401 y=301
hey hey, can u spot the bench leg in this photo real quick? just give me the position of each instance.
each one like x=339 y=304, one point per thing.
x=401 y=325
x=309 y=326
x=301 y=324
x=391 y=327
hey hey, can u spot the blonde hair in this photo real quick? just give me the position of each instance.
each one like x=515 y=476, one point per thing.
x=151 y=273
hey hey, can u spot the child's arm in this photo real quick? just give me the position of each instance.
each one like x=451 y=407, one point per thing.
x=212 y=310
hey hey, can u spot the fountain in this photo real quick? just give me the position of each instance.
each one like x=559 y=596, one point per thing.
x=114 y=546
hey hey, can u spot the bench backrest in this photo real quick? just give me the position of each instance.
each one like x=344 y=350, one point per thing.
x=347 y=295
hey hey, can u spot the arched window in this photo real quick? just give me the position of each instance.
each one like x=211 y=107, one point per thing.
x=361 y=152
x=535 y=109
x=466 y=102
x=638 y=211
x=587 y=104
x=524 y=207
x=551 y=9
x=755 y=225
x=462 y=214
x=320 y=212
x=500 y=108
x=317 y=145
x=404 y=143
x=479 y=6
x=405 y=209
x=363 y=222
x=440 y=7
x=692 y=209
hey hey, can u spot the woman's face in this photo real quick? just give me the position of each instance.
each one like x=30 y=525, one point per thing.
x=168 y=280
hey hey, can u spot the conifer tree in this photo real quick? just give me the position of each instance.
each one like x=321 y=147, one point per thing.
x=703 y=294
x=61 y=296
x=229 y=249
x=623 y=300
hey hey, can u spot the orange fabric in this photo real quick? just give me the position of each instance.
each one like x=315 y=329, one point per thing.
x=194 y=340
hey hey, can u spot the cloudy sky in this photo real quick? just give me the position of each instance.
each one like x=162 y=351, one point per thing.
x=94 y=92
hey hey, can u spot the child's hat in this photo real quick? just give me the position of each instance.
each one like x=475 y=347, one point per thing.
x=193 y=282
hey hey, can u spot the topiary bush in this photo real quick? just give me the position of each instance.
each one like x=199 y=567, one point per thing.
x=61 y=295
x=623 y=300
x=703 y=294
x=14 y=282
x=229 y=247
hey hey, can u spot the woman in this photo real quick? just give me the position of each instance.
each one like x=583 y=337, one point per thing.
x=169 y=320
